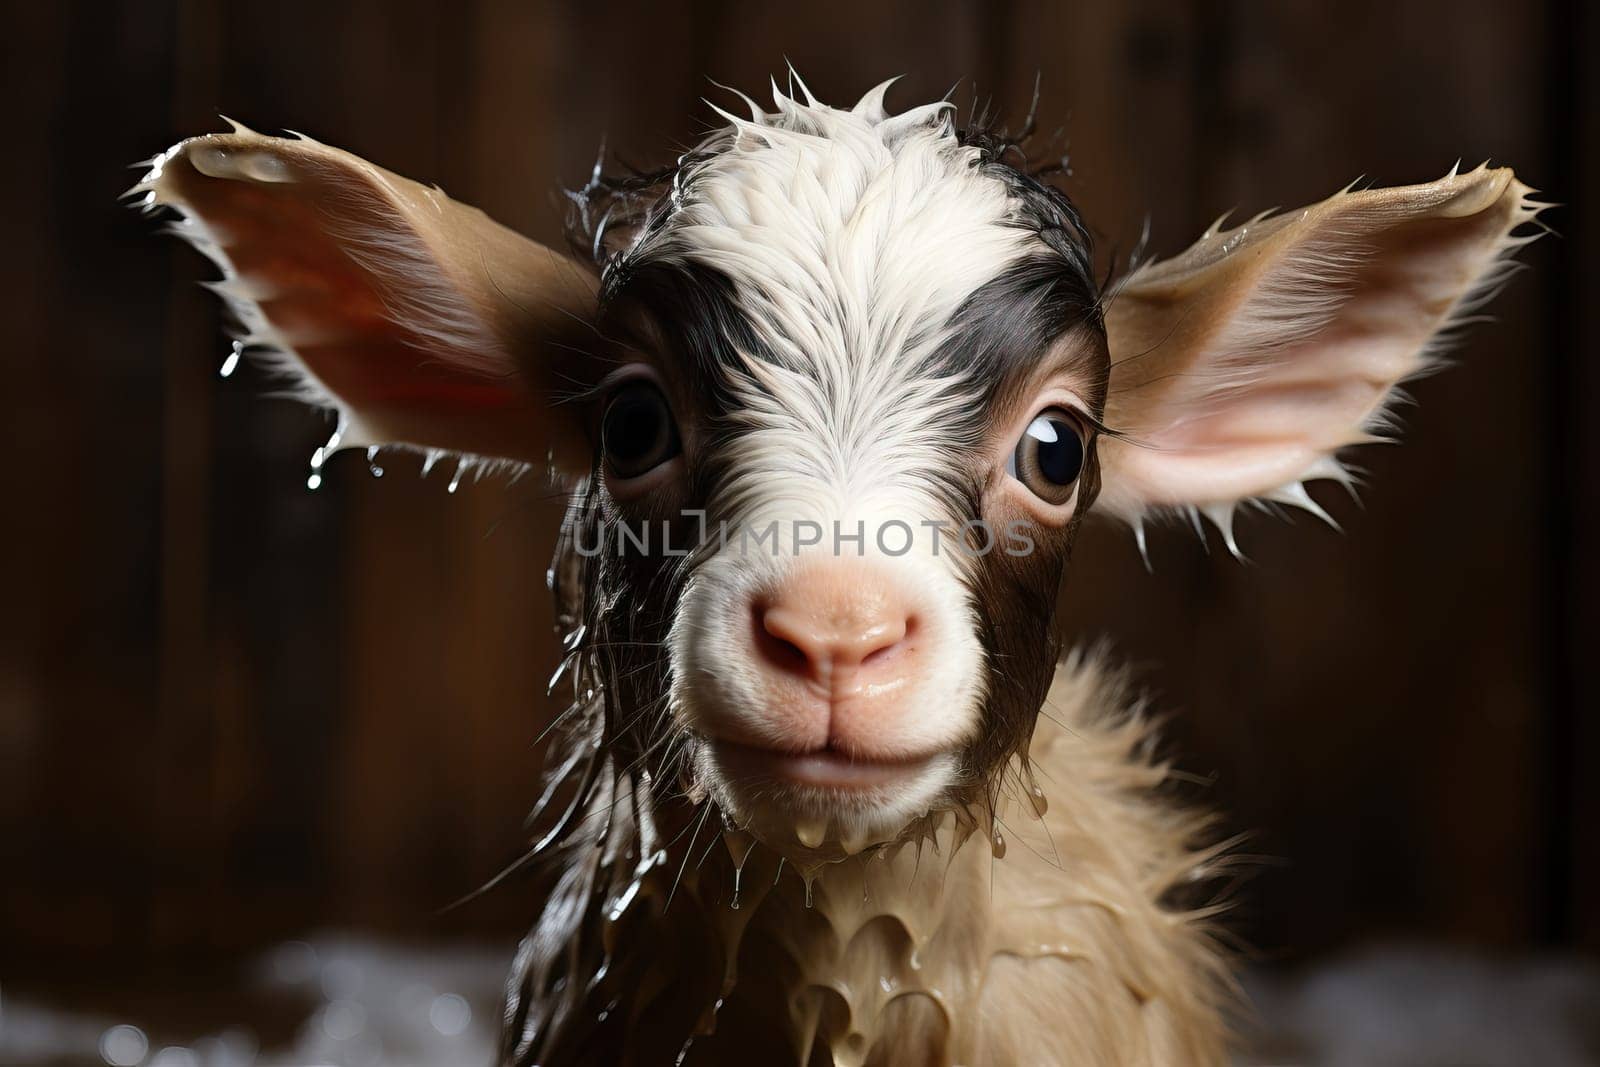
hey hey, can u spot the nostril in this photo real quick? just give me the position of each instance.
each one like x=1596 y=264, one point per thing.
x=891 y=642
x=778 y=643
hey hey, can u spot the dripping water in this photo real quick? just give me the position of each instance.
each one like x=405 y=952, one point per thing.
x=1041 y=803
x=810 y=832
x=320 y=457
x=231 y=364
x=734 y=837
x=372 y=462
x=619 y=908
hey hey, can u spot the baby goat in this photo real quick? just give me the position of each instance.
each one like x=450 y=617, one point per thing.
x=833 y=395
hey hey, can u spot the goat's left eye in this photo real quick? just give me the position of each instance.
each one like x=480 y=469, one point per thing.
x=1049 y=458
x=638 y=433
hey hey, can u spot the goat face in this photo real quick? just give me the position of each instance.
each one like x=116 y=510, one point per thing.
x=859 y=366
x=865 y=358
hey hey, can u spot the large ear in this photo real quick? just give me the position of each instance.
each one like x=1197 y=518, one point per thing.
x=421 y=320
x=1241 y=367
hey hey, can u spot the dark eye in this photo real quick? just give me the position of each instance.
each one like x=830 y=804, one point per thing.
x=638 y=433
x=1049 y=457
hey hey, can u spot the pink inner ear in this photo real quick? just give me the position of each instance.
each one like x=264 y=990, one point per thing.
x=1241 y=368
x=388 y=299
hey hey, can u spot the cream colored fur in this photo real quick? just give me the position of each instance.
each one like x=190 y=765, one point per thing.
x=1060 y=946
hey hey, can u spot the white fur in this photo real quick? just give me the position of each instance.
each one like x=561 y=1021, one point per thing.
x=850 y=237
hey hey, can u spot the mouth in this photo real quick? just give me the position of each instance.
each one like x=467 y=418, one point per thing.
x=824 y=770
x=827 y=802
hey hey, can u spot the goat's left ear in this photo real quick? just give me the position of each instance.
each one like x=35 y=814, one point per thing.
x=1240 y=368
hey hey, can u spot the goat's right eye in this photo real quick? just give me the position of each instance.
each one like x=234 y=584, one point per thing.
x=638 y=433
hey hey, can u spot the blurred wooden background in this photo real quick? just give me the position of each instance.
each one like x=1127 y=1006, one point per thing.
x=232 y=709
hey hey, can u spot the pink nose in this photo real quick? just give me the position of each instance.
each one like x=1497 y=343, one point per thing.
x=839 y=627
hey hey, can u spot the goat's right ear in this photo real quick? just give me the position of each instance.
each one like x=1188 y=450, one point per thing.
x=423 y=321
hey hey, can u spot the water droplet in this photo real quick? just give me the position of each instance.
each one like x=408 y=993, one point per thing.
x=853 y=839
x=450 y=1014
x=1041 y=803
x=320 y=456
x=372 y=465
x=455 y=482
x=560 y=673
x=997 y=845
x=683 y=1053
x=124 y=1046
x=810 y=832
x=625 y=899
x=231 y=364
x=808 y=881
x=343 y=1019
x=738 y=872
x=175 y=1056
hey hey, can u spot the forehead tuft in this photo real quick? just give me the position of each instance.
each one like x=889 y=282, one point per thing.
x=830 y=221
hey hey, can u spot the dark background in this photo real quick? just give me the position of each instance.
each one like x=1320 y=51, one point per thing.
x=232 y=710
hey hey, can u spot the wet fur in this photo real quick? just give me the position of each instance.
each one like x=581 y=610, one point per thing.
x=1084 y=944
x=1067 y=947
